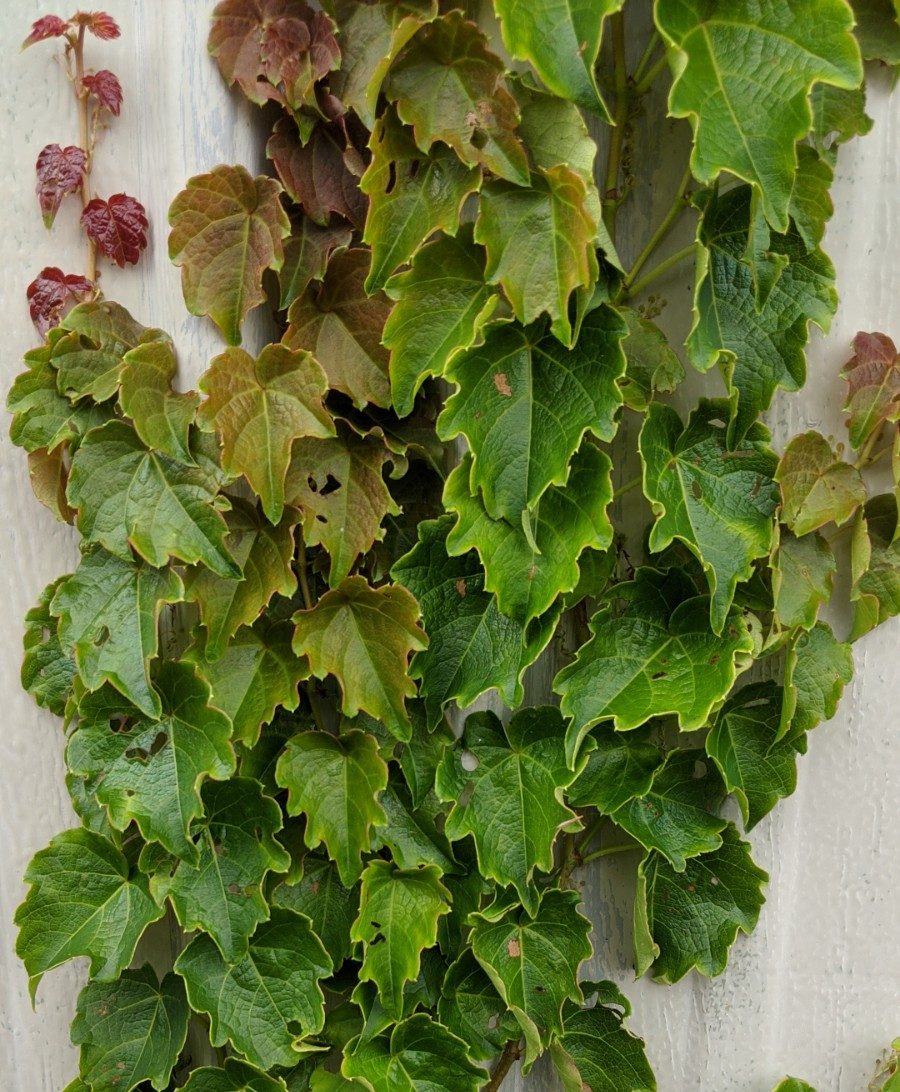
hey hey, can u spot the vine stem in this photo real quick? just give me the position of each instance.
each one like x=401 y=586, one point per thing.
x=614 y=157
x=609 y=851
x=658 y=271
x=511 y=1054
x=86 y=142
x=679 y=203
x=585 y=839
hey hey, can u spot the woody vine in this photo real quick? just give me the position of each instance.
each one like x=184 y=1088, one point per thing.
x=393 y=510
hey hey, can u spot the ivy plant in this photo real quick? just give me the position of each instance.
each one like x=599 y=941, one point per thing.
x=296 y=580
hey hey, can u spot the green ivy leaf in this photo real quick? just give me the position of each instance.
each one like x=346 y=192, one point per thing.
x=873 y=386
x=43 y=419
x=47 y=669
x=655 y=656
x=258 y=408
x=410 y=196
x=162 y=417
x=265 y=555
x=443 y=305
x=528 y=571
x=525 y=402
x=84 y=900
x=716 y=499
x=878 y=30
x=802 y=578
x=816 y=670
x=256 y=674
x=227 y=229
x=371 y=37
x=450 y=88
x=331 y=907
x=597 y=1051
x=506 y=784
x=234 y=1076
x=748 y=120
x=686 y=920
x=762 y=343
x=472 y=1009
x=411 y=835
x=89 y=360
x=128 y=495
x=676 y=816
x=472 y=647
x=838 y=116
x=561 y=39
x=363 y=636
x=811 y=206
x=341 y=325
x=398 y=916
x=421 y=1056
x=533 y=962
x=539 y=241
x=793 y=1084
x=108 y=611
x=259 y=1003
x=335 y=782
x=130 y=1031
x=651 y=363
x=817 y=487
x=306 y=256
x=223 y=893
x=149 y=770
x=339 y=486
x=420 y=757
x=875 y=563
x=619 y=766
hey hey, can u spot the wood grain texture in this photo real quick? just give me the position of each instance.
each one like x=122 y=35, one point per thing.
x=814 y=991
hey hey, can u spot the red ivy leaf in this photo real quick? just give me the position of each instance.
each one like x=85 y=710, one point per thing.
x=118 y=227
x=106 y=89
x=873 y=386
x=98 y=23
x=48 y=26
x=275 y=49
x=315 y=174
x=59 y=172
x=52 y=294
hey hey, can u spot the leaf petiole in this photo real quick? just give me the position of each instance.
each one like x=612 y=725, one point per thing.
x=659 y=270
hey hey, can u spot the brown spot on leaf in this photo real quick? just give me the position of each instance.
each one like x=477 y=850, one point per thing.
x=502 y=384
x=513 y=948
x=461 y=587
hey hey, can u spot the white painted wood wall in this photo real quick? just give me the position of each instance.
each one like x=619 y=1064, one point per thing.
x=816 y=990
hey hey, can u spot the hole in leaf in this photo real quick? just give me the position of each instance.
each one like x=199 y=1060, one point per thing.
x=469 y=761
x=699 y=769
x=392 y=177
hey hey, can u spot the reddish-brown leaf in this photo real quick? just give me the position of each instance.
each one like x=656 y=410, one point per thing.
x=315 y=174
x=59 y=172
x=106 y=89
x=99 y=23
x=274 y=49
x=873 y=386
x=48 y=26
x=52 y=294
x=118 y=227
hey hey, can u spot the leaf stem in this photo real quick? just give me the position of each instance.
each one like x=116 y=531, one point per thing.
x=617 y=137
x=658 y=271
x=865 y=455
x=627 y=487
x=511 y=1054
x=609 y=851
x=569 y=860
x=680 y=202
x=86 y=144
x=652 y=42
x=643 y=86
x=586 y=838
